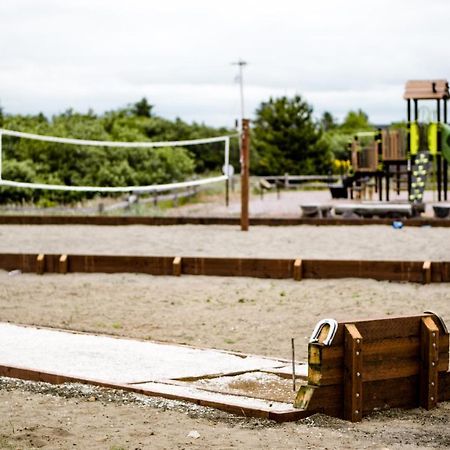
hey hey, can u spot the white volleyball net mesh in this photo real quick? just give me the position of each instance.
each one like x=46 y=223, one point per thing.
x=125 y=154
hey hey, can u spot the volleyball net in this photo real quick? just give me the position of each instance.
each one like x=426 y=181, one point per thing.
x=148 y=188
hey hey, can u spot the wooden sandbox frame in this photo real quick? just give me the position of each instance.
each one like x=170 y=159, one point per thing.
x=297 y=269
x=399 y=362
x=11 y=219
x=368 y=365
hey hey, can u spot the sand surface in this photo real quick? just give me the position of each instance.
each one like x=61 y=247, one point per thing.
x=305 y=241
x=255 y=316
x=252 y=315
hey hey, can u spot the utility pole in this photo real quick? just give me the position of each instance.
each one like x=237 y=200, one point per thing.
x=244 y=150
x=241 y=65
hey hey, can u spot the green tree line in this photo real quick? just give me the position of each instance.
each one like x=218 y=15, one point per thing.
x=285 y=138
x=54 y=163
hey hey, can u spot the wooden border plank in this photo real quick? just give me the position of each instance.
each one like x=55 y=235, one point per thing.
x=63 y=264
x=233 y=221
x=353 y=385
x=233 y=406
x=429 y=352
x=40 y=264
x=426 y=268
x=177 y=266
x=298 y=270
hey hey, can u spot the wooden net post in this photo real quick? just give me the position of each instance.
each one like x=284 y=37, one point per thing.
x=245 y=173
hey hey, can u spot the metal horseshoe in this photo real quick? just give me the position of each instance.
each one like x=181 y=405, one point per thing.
x=318 y=328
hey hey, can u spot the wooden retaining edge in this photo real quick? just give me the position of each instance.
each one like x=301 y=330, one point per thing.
x=426 y=272
x=163 y=390
x=40 y=264
x=297 y=269
x=63 y=264
x=163 y=221
x=363 y=369
x=380 y=346
x=177 y=266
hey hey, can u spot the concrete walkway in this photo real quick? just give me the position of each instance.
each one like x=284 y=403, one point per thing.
x=142 y=366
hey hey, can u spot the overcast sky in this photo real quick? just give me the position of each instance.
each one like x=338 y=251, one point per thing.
x=103 y=54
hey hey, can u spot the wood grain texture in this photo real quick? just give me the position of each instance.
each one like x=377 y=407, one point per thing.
x=233 y=221
x=353 y=374
x=410 y=271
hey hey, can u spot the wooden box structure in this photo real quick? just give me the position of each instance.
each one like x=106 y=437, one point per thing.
x=364 y=157
x=359 y=367
x=426 y=90
x=399 y=362
x=393 y=145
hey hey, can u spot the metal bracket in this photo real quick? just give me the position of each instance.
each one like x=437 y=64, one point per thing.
x=441 y=320
x=318 y=328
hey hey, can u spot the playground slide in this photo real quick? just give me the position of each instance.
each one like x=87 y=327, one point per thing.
x=419 y=175
x=445 y=141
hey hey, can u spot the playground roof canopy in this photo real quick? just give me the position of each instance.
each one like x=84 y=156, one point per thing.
x=426 y=90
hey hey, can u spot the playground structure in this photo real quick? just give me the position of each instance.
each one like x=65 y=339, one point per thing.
x=405 y=156
x=353 y=369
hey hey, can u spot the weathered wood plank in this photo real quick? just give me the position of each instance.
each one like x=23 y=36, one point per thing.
x=298 y=270
x=444 y=386
x=353 y=374
x=154 y=265
x=429 y=353
x=177 y=266
x=234 y=221
x=40 y=264
x=426 y=272
x=243 y=267
x=411 y=271
x=63 y=264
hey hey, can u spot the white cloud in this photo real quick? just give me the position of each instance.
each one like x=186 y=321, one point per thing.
x=104 y=54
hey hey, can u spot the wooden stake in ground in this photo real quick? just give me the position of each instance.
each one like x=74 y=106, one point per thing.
x=245 y=171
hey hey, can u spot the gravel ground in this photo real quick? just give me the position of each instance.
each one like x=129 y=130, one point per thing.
x=250 y=315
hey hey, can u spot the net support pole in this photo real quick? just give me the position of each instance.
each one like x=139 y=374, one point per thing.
x=227 y=171
x=245 y=173
x=1 y=151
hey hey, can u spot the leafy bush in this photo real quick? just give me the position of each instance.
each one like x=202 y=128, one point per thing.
x=53 y=163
